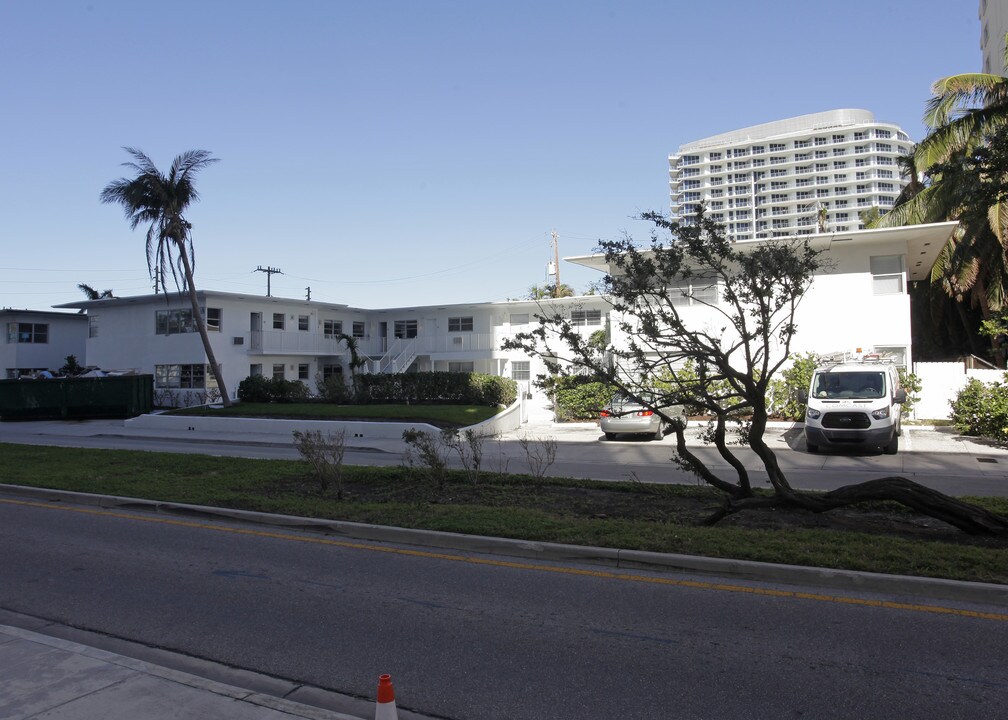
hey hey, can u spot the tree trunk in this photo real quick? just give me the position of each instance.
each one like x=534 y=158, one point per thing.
x=201 y=325
x=969 y=518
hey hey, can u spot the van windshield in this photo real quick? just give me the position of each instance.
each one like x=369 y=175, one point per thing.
x=857 y=385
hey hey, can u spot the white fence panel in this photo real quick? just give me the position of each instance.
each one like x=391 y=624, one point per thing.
x=941 y=382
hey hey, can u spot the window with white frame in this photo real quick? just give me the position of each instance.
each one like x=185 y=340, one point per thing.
x=332 y=328
x=358 y=328
x=213 y=319
x=405 y=329
x=331 y=370
x=278 y=371
x=278 y=321
x=521 y=370
x=580 y=318
x=460 y=324
x=255 y=370
x=27 y=332
x=303 y=322
x=699 y=290
x=172 y=322
x=887 y=274
x=460 y=367
x=519 y=319
x=92 y=325
x=303 y=370
x=180 y=376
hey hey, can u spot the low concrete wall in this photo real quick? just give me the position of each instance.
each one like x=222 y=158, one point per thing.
x=355 y=429
x=502 y=422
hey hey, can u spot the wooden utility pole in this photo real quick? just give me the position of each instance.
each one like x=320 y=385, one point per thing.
x=269 y=276
x=556 y=264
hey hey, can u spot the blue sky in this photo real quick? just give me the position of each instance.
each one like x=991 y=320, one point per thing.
x=396 y=153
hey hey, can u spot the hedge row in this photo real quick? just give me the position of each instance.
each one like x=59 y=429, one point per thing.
x=448 y=387
x=442 y=387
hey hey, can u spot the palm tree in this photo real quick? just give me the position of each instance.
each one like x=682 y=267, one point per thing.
x=965 y=113
x=544 y=292
x=93 y=294
x=160 y=200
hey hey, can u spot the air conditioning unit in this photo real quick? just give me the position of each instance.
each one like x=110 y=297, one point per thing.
x=238 y=340
x=456 y=341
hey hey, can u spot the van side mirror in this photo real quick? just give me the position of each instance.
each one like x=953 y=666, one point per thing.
x=900 y=396
x=801 y=396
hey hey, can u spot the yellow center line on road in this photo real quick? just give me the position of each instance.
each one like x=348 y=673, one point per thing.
x=603 y=574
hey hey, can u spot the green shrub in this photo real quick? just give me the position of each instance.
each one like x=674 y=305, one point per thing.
x=258 y=389
x=333 y=389
x=912 y=384
x=982 y=409
x=782 y=391
x=439 y=387
x=288 y=391
x=255 y=389
x=579 y=397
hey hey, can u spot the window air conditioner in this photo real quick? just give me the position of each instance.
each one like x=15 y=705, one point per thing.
x=238 y=340
x=456 y=340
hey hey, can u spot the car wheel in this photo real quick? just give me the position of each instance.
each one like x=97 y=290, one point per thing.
x=812 y=448
x=660 y=432
x=610 y=436
x=893 y=447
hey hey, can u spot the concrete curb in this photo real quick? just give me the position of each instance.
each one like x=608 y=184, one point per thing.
x=848 y=580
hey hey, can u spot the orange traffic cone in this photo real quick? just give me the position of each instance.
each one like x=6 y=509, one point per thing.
x=385 y=708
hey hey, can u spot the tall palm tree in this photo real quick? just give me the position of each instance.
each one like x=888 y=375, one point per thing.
x=966 y=112
x=161 y=200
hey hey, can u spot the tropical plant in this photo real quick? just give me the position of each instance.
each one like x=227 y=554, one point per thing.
x=160 y=201
x=968 y=116
x=545 y=292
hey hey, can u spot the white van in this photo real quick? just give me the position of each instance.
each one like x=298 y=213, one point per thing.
x=854 y=403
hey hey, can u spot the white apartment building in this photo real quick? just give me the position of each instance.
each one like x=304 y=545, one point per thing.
x=858 y=301
x=800 y=176
x=993 y=26
x=38 y=340
x=299 y=339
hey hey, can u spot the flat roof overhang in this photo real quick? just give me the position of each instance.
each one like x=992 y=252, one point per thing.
x=923 y=243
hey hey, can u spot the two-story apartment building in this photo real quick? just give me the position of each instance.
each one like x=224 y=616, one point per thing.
x=858 y=300
x=301 y=340
x=37 y=340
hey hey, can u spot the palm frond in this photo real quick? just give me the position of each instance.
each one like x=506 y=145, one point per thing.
x=956 y=93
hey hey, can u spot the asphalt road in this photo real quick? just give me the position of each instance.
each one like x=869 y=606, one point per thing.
x=492 y=639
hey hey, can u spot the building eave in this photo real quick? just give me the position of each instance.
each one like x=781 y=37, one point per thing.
x=923 y=243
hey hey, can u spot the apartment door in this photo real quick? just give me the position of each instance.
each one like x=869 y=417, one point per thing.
x=255 y=331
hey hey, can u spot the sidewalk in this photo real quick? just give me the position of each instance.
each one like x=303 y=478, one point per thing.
x=42 y=676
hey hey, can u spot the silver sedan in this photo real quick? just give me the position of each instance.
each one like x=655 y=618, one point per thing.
x=624 y=416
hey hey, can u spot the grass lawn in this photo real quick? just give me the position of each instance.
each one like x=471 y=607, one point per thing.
x=438 y=415
x=666 y=518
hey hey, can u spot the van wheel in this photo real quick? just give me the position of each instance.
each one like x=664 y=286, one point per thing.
x=812 y=448
x=893 y=447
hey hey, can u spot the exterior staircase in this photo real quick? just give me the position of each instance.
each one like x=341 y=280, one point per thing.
x=399 y=356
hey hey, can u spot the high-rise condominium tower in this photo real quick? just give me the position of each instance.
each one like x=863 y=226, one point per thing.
x=993 y=26
x=800 y=176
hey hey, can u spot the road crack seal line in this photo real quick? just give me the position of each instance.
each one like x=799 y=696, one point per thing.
x=515 y=565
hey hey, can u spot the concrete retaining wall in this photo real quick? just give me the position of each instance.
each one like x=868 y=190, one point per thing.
x=281 y=428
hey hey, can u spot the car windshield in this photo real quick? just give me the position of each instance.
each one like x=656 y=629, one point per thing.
x=857 y=385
